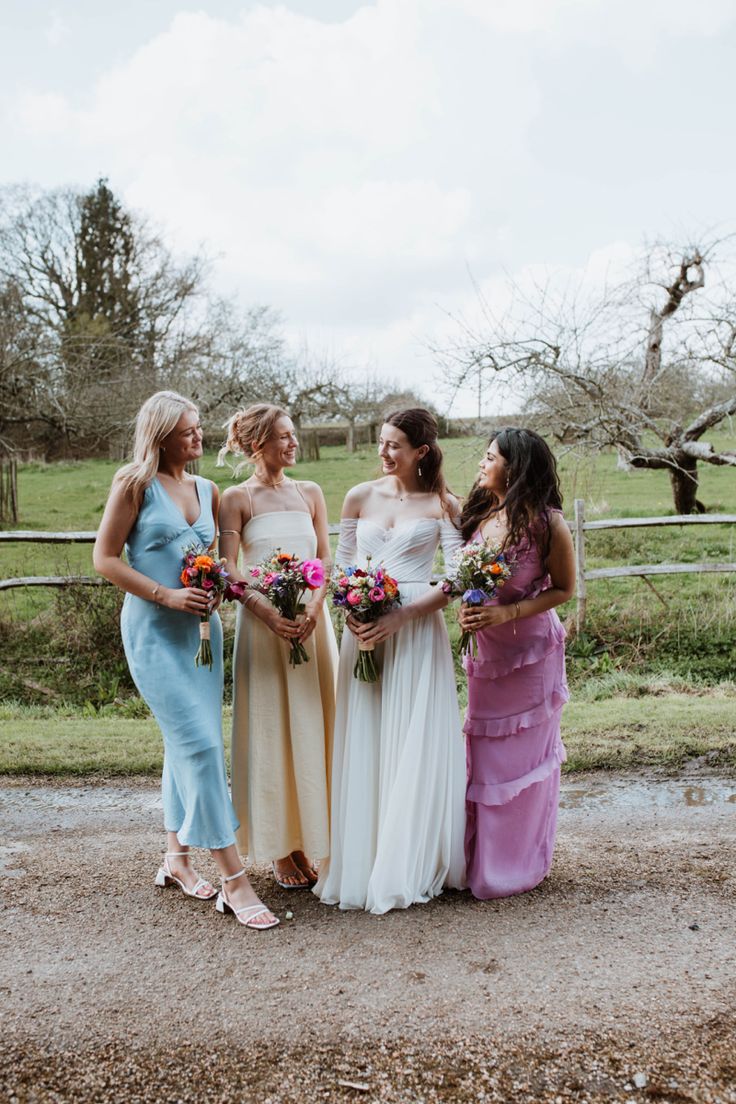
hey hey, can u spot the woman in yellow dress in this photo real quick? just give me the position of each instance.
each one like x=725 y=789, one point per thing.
x=282 y=716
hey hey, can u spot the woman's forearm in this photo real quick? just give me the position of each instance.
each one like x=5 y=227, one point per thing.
x=127 y=578
x=547 y=600
x=318 y=598
x=434 y=600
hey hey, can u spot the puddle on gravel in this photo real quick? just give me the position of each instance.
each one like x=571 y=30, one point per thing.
x=29 y=810
x=632 y=793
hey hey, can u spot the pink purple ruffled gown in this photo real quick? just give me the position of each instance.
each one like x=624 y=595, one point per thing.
x=516 y=690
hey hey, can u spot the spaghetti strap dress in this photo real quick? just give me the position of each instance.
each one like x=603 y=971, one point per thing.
x=283 y=716
x=516 y=691
x=160 y=645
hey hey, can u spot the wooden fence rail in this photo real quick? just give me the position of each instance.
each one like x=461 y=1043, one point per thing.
x=579 y=527
x=35 y=536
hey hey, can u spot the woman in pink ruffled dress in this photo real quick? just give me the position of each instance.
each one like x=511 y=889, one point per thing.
x=516 y=683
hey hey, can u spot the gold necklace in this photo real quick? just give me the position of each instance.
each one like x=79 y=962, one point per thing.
x=407 y=494
x=266 y=483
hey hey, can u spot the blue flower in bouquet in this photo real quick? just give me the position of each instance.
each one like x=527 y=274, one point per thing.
x=475 y=597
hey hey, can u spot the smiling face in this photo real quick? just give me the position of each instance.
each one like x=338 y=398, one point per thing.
x=184 y=443
x=396 y=453
x=493 y=470
x=279 y=451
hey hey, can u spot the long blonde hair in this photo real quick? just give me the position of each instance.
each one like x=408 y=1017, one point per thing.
x=248 y=430
x=154 y=421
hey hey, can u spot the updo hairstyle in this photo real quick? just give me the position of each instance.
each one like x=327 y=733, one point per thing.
x=248 y=431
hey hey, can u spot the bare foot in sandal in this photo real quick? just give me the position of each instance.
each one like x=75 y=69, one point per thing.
x=304 y=866
x=288 y=875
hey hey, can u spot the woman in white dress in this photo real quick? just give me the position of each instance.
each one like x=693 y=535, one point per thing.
x=398 y=768
x=282 y=715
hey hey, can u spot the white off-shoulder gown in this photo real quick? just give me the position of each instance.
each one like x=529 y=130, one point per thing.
x=398 y=768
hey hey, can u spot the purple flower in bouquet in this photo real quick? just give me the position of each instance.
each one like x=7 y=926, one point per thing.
x=366 y=595
x=284 y=579
x=478 y=573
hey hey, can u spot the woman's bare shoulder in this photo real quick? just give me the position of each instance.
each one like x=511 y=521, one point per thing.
x=357 y=497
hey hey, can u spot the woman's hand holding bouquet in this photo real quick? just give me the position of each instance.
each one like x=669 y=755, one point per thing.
x=366 y=597
x=202 y=572
x=284 y=579
x=478 y=573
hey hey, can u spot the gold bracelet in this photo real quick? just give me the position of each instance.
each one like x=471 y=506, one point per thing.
x=154 y=592
x=518 y=615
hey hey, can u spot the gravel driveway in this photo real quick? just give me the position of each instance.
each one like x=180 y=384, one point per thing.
x=613 y=981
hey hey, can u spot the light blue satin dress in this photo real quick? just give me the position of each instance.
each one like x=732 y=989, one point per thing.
x=160 y=646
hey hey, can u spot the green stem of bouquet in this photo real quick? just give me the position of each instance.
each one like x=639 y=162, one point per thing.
x=365 y=669
x=203 y=657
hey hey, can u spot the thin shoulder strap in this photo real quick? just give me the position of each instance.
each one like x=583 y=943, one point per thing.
x=298 y=486
x=250 y=500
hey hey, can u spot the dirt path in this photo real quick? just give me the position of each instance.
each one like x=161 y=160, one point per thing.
x=621 y=964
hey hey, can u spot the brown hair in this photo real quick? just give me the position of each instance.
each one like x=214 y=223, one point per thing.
x=420 y=427
x=533 y=489
x=249 y=429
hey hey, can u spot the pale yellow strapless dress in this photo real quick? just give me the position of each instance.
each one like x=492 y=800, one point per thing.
x=283 y=716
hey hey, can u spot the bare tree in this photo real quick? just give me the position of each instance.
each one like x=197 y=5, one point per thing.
x=114 y=316
x=96 y=315
x=648 y=366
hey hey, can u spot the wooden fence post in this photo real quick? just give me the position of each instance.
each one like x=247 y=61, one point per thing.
x=8 y=488
x=580 y=587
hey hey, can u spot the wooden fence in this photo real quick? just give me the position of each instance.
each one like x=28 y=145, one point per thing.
x=579 y=527
x=583 y=576
x=34 y=536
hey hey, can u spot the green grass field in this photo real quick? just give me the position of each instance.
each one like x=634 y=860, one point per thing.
x=683 y=638
x=663 y=731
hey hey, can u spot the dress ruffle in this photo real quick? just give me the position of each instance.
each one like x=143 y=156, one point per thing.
x=516 y=690
x=517 y=722
x=497 y=659
x=500 y=793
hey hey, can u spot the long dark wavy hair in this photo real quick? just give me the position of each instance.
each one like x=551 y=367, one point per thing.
x=533 y=490
x=420 y=427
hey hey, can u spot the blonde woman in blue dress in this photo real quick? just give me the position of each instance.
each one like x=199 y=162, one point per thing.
x=282 y=716
x=154 y=511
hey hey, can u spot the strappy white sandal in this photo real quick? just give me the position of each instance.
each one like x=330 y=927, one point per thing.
x=247 y=915
x=165 y=878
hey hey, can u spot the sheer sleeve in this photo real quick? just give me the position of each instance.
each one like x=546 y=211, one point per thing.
x=347 y=543
x=451 y=538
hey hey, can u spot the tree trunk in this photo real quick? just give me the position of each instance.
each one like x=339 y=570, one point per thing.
x=311 y=445
x=350 y=440
x=684 y=480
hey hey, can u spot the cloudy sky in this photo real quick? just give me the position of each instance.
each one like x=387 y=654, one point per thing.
x=359 y=166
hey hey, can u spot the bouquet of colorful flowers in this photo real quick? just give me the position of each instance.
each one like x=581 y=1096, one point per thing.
x=366 y=596
x=478 y=573
x=202 y=570
x=284 y=579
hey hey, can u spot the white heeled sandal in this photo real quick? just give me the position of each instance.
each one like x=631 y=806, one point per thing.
x=247 y=915
x=165 y=878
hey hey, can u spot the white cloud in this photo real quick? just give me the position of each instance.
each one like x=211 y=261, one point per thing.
x=348 y=172
x=312 y=158
x=57 y=30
